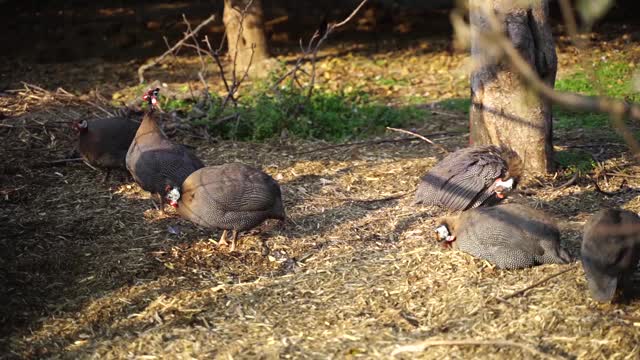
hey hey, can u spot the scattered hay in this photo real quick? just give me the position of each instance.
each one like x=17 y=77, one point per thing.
x=94 y=271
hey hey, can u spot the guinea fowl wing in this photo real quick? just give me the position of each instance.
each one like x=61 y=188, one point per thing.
x=234 y=188
x=469 y=181
x=494 y=228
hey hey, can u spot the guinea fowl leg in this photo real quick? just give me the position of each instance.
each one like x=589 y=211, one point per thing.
x=223 y=238
x=106 y=176
x=234 y=238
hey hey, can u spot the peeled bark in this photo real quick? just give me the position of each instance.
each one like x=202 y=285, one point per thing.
x=503 y=110
x=242 y=37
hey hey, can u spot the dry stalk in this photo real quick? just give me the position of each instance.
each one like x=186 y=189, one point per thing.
x=423 y=345
x=440 y=147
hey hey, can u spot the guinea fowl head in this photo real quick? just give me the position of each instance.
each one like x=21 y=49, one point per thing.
x=172 y=195
x=501 y=188
x=444 y=230
x=515 y=166
x=81 y=126
x=151 y=97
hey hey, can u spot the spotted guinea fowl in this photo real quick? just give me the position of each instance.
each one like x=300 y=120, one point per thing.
x=470 y=177
x=233 y=197
x=610 y=252
x=104 y=142
x=511 y=236
x=155 y=162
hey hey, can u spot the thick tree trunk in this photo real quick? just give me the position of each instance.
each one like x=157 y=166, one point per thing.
x=241 y=38
x=503 y=111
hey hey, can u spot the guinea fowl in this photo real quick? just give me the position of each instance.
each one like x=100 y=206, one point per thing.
x=511 y=236
x=610 y=252
x=232 y=197
x=470 y=177
x=104 y=142
x=155 y=162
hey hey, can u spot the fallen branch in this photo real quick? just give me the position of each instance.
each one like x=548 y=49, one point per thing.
x=176 y=46
x=423 y=345
x=420 y=137
x=544 y=280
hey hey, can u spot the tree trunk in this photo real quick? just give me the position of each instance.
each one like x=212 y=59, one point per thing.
x=241 y=38
x=503 y=111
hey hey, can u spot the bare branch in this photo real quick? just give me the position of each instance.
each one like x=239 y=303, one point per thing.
x=203 y=65
x=312 y=48
x=175 y=47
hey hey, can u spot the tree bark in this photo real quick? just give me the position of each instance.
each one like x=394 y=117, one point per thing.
x=503 y=110
x=242 y=37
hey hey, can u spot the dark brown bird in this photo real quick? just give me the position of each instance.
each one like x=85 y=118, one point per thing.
x=104 y=142
x=510 y=236
x=470 y=177
x=155 y=162
x=233 y=197
x=610 y=252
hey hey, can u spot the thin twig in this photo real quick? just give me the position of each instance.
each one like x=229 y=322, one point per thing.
x=91 y=166
x=423 y=345
x=544 y=280
x=371 y=142
x=203 y=65
x=624 y=175
x=420 y=137
x=598 y=189
x=176 y=46
x=62 y=161
x=569 y=182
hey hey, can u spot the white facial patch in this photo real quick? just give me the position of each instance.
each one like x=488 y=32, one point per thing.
x=443 y=232
x=507 y=185
x=173 y=195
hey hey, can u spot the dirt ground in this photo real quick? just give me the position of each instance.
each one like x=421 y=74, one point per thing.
x=92 y=270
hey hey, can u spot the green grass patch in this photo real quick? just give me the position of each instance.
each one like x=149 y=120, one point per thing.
x=325 y=115
x=612 y=78
x=391 y=82
x=460 y=105
x=575 y=160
